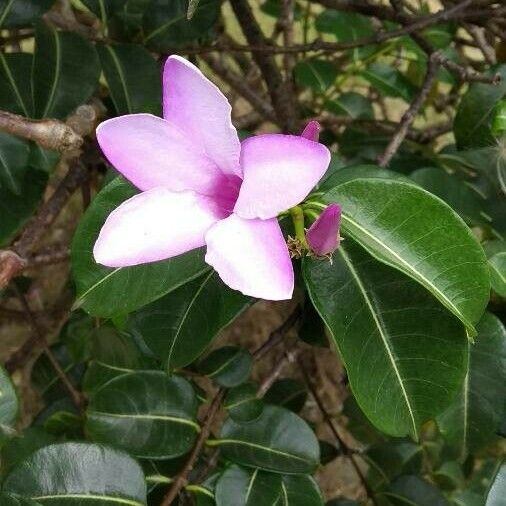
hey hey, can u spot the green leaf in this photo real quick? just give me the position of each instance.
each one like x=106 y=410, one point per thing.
x=145 y=413
x=14 y=154
x=389 y=81
x=15 y=210
x=359 y=425
x=133 y=77
x=15 y=88
x=497 y=491
x=287 y=393
x=277 y=441
x=499 y=122
x=247 y=487
x=8 y=400
x=79 y=473
x=315 y=73
x=192 y=8
x=300 y=491
x=456 y=193
x=496 y=253
x=179 y=327
x=16 y=500
x=166 y=23
x=228 y=366
x=472 y=420
x=414 y=491
x=65 y=72
x=107 y=292
x=19 y=13
x=378 y=320
x=242 y=403
x=104 y=9
x=410 y=229
x=449 y=476
x=351 y=104
x=475 y=114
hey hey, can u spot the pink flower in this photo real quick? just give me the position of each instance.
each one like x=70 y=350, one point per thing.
x=323 y=235
x=201 y=186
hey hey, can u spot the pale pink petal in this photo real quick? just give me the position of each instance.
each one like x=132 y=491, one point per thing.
x=251 y=256
x=198 y=107
x=151 y=152
x=279 y=172
x=155 y=225
x=323 y=235
x=311 y=131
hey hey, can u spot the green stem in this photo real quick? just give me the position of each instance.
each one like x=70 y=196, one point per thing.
x=298 y=224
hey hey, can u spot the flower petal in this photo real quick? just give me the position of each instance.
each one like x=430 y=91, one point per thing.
x=151 y=152
x=311 y=131
x=155 y=225
x=279 y=172
x=323 y=235
x=251 y=256
x=200 y=109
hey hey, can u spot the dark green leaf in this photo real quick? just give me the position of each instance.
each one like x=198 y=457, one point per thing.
x=107 y=292
x=414 y=491
x=15 y=88
x=8 y=400
x=228 y=366
x=14 y=154
x=475 y=114
x=328 y=452
x=146 y=413
x=415 y=232
x=389 y=81
x=341 y=501
x=300 y=491
x=104 y=9
x=166 y=23
x=359 y=425
x=16 y=500
x=287 y=393
x=133 y=77
x=63 y=473
x=18 y=13
x=499 y=122
x=65 y=72
x=497 y=491
x=316 y=74
x=378 y=319
x=192 y=8
x=242 y=403
x=449 y=476
x=312 y=328
x=473 y=418
x=178 y=327
x=247 y=487
x=277 y=441
x=351 y=104
x=16 y=209
x=496 y=253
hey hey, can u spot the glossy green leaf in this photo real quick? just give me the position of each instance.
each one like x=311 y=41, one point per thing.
x=300 y=491
x=228 y=366
x=359 y=425
x=8 y=400
x=15 y=210
x=146 y=413
x=65 y=72
x=242 y=403
x=15 y=88
x=351 y=104
x=317 y=74
x=389 y=81
x=499 y=121
x=133 y=77
x=16 y=500
x=497 y=491
x=107 y=292
x=475 y=113
x=408 y=228
x=277 y=441
x=79 y=473
x=179 y=327
x=14 y=154
x=377 y=318
x=496 y=253
x=473 y=418
x=19 y=13
x=166 y=22
x=287 y=393
x=247 y=487
x=414 y=491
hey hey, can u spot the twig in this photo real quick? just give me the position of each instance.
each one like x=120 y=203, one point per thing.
x=288 y=357
x=48 y=133
x=410 y=115
x=14 y=260
x=330 y=423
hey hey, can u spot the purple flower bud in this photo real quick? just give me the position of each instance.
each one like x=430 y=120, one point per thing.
x=312 y=131
x=323 y=235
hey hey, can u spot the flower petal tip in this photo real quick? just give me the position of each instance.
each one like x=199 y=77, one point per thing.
x=323 y=235
x=311 y=131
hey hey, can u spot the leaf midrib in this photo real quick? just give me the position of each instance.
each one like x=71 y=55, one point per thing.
x=122 y=78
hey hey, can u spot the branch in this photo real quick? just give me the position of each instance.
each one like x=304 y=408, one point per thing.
x=410 y=115
x=48 y=133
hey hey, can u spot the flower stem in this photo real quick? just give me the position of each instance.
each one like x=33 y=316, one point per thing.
x=298 y=223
